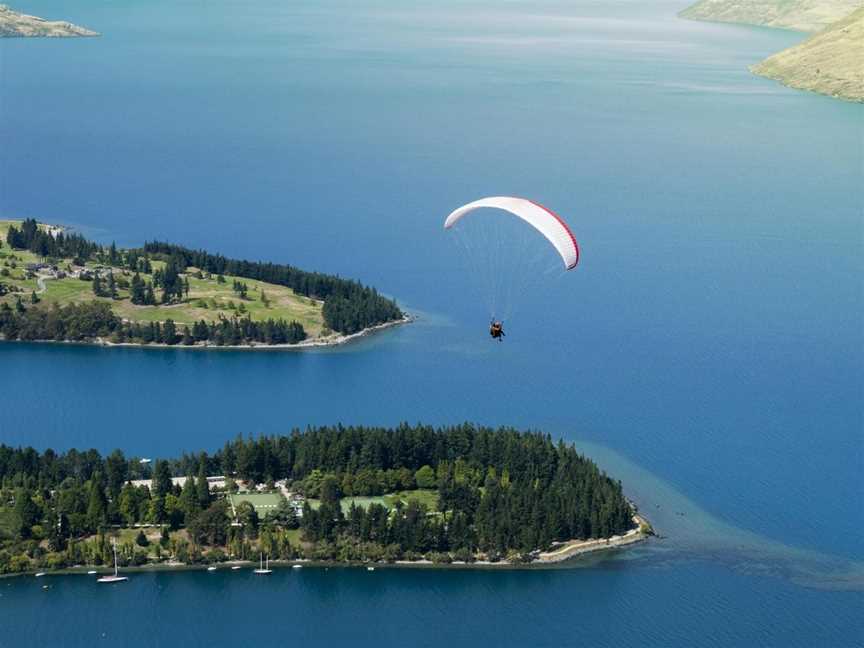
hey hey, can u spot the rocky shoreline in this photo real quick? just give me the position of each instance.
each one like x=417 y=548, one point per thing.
x=828 y=62
x=18 y=25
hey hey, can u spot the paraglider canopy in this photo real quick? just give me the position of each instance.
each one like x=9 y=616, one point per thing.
x=544 y=220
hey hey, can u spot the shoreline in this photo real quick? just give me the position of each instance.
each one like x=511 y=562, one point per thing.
x=333 y=340
x=562 y=553
x=566 y=550
x=315 y=343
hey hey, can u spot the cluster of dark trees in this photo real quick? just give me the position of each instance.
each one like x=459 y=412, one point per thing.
x=104 y=287
x=240 y=288
x=500 y=492
x=352 y=306
x=515 y=489
x=141 y=292
x=40 y=242
x=173 y=285
x=224 y=332
x=49 y=512
x=71 y=322
x=90 y=320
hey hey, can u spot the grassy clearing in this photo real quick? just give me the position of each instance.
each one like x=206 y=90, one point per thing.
x=264 y=503
x=295 y=536
x=363 y=502
x=427 y=497
x=6 y=522
x=208 y=298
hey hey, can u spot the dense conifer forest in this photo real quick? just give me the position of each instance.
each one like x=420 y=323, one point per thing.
x=463 y=492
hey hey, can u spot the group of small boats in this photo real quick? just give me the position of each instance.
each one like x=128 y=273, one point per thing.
x=262 y=570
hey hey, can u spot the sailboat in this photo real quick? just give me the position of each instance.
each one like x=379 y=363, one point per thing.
x=262 y=569
x=116 y=578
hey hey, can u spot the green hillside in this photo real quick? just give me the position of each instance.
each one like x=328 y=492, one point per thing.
x=209 y=298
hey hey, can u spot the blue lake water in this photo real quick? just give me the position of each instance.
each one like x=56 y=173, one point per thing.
x=709 y=349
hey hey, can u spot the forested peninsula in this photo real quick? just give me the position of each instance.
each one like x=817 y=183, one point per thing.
x=411 y=495
x=60 y=286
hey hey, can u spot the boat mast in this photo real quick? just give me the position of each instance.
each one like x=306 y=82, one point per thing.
x=114 y=544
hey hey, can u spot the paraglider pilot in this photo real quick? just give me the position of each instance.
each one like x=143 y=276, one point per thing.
x=496 y=330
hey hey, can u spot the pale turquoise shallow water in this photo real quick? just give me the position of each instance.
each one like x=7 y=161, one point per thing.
x=708 y=351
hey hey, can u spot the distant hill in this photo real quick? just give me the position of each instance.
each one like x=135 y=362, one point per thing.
x=16 y=25
x=799 y=15
x=830 y=62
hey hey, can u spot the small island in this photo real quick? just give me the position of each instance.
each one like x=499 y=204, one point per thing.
x=413 y=495
x=17 y=25
x=58 y=286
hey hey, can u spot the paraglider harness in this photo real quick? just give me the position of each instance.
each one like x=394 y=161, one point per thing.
x=496 y=330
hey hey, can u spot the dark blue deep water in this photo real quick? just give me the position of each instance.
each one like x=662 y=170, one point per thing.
x=708 y=351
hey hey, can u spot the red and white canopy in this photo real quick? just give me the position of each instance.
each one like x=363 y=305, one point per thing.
x=544 y=220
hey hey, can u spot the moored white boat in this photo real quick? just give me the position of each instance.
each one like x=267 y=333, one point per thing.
x=262 y=569
x=115 y=577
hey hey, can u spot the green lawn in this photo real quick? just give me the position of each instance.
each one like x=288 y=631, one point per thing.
x=67 y=290
x=128 y=535
x=429 y=497
x=208 y=298
x=295 y=536
x=363 y=502
x=264 y=503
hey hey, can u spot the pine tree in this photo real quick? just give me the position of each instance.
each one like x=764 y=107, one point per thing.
x=25 y=511
x=149 y=295
x=161 y=484
x=169 y=332
x=189 y=498
x=203 y=487
x=97 y=504
x=112 y=285
x=137 y=292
